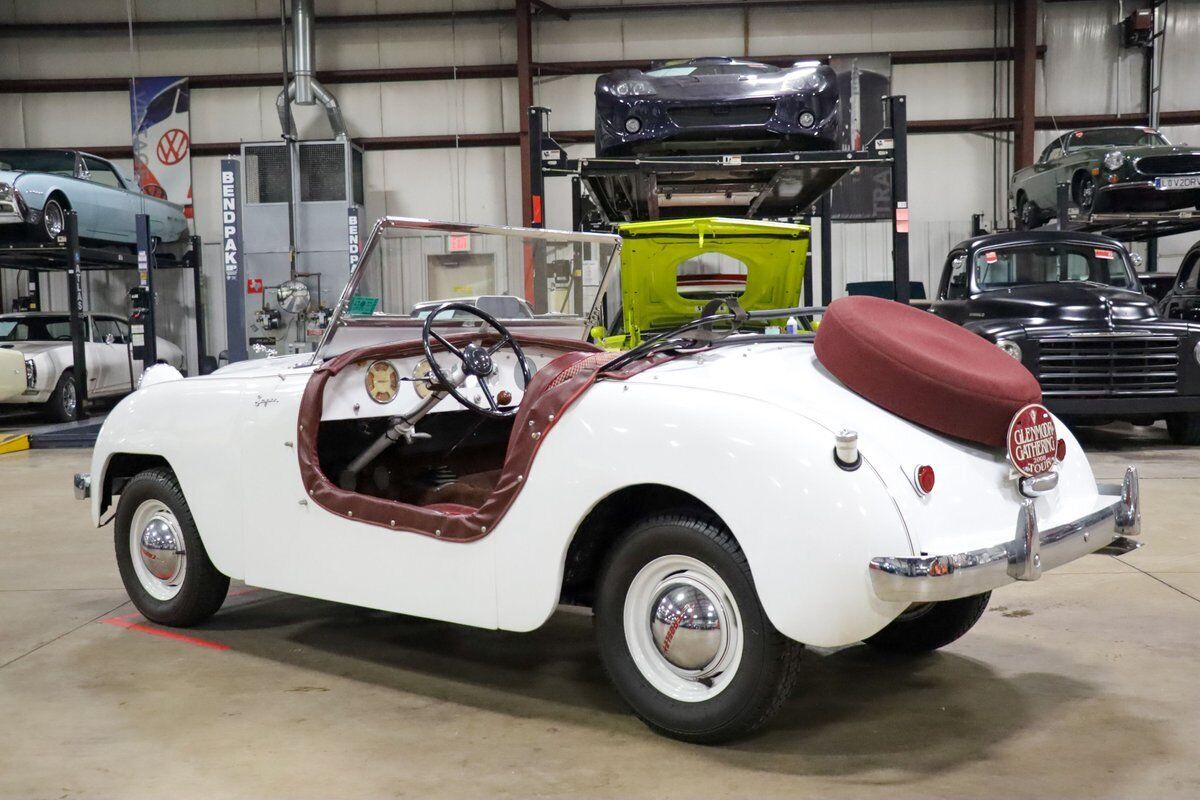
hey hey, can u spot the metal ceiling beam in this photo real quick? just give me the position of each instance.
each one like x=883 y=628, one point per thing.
x=441 y=73
x=981 y=125
x=541 y=9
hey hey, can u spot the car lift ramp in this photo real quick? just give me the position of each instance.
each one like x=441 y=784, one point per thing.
x=1141 y=226
x=69 y=256
x=81 y=433
x=753 y=185
x=756 y=186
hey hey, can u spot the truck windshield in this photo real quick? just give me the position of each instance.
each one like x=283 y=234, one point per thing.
x=1022 y=265
x=55 y=162
x=35 y=329
x=1116 y=137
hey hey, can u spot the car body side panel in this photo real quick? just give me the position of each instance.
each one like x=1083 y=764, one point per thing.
x=807 y=528
x=197 y=426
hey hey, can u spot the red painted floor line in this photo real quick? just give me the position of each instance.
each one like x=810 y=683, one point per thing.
x=125 y=621
x=122 y=622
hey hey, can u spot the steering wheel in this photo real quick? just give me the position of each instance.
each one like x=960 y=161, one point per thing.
x=475 y=359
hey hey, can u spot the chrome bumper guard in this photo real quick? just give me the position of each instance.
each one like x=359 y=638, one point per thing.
x=83 y=485
x=924 y=579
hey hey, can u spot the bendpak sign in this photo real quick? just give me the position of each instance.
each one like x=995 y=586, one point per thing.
x=231 y=258
x=162 y=145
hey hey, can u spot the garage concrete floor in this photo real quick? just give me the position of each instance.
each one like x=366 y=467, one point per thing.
x=1083 y=684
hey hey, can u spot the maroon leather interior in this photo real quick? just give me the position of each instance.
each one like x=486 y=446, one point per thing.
x=924 y=368
x=546 y=398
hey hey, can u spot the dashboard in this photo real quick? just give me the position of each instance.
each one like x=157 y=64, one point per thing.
x=394 y=386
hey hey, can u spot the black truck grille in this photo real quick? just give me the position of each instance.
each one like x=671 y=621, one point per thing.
x=1109 y=366
x=1175 y=164
x=718 y=115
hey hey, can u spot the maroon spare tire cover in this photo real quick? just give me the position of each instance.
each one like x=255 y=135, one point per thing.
x=923 y=368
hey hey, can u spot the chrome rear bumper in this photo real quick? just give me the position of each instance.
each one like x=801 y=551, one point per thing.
x=924 y=579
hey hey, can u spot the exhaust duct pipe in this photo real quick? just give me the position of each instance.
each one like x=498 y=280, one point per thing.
x=304 y=89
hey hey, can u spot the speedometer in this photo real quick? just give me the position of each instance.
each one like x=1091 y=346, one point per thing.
x=382 y=382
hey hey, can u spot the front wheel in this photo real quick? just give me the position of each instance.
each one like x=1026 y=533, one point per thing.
x=1184 y=428
x=54 y=219
x=929 y=626
x=1028 y=213
x=1084 y=192
x=683 y=635
x=162 y=560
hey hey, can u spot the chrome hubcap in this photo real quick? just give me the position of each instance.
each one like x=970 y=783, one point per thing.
x=686 y=627
x=683 y=628
x=156 y=545
x=68 y=398
x=54 y=219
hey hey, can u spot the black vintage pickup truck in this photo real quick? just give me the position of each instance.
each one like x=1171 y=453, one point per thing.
x=1070 y=308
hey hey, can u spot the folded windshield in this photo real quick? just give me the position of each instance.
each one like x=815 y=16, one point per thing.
x=1023 y=265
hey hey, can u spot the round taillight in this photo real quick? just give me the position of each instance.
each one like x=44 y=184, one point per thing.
x=925 y=479
x=1060 y=451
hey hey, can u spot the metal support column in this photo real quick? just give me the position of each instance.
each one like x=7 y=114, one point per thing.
x=79 y=326
x=525 y=103
x=145 y=317
x=198 y=302
x=1024 y=79
x=1063 y=200
x=576 y=203
x=898 y=115
x=808 y=263
x=826 y=250
x=1151 y=264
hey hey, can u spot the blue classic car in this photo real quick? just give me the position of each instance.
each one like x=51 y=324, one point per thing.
x=37 y=187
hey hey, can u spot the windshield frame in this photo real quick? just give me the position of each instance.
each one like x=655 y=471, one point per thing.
x=340 y=318
x=1069 y=137
x=977 y=287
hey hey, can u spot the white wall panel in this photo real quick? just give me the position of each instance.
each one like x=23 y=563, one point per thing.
x=1086 y=71
x=946 y=91
x=1181 y=66
x=58 y=120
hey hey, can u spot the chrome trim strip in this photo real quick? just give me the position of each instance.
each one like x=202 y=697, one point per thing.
x=924 y=579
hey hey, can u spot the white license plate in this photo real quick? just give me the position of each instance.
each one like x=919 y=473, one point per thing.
x=1182 y=182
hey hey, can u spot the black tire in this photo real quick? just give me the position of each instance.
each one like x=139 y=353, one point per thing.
x=53 y=216
x=1028 y=213
x=761 y=680
x=931 y=625
x=1083 y=192
x=1184 y=428
x=203 y=588
x=63 y=405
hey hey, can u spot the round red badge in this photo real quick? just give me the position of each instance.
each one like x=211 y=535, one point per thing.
x=1032 y=440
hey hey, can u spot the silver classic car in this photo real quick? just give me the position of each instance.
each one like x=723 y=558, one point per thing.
x=38 y=187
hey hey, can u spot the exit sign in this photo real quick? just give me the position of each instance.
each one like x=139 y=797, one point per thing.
x=460 y=243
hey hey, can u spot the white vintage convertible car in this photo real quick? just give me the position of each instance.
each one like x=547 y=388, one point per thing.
x=42 y=340
x=718 y=499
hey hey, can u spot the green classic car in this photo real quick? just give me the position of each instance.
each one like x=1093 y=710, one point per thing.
x=1117 y=169
x=671 y=269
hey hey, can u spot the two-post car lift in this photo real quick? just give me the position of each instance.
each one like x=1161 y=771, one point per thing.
x=68 y=256
x=784 y=185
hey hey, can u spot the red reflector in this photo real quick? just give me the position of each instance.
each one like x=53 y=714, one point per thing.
x=1060 y=452
x=925 y=479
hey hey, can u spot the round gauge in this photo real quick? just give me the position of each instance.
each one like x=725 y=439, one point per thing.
x=382 y=382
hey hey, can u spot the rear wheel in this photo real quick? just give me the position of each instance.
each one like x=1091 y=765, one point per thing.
x=162 y=560
x=683 y=636
x=929 y=626
x=1184 y=428
x=63 y=405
